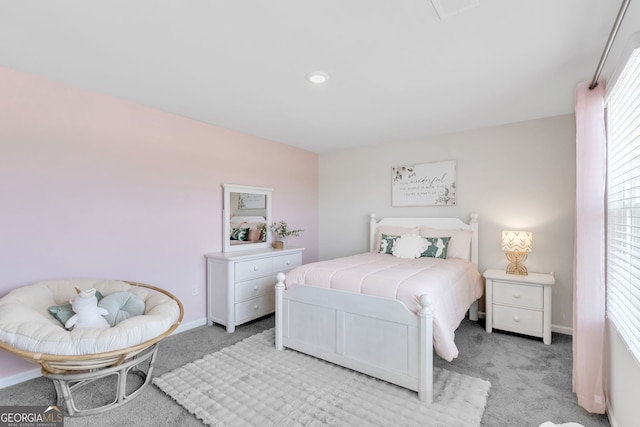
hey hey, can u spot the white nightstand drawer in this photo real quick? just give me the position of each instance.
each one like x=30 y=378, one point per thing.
x=518 y=320
x=518 y=295
x=255 y=307
x=287 y=262
x=254 y=268
x=255 y=287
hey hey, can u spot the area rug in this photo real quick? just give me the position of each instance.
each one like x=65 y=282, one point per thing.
x=251 y=383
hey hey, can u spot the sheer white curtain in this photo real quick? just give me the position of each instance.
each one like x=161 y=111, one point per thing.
x=589 y=267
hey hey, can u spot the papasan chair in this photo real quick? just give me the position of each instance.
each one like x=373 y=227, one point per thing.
x=121 y=355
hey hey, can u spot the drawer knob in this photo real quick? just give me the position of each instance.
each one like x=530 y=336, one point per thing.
x=255 y=288
x=516 y=294
x=288 y=262
x=255 y=268
x=255 y=307
x=516 y=318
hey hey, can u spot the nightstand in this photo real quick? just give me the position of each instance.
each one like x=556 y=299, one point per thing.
x=520 y=304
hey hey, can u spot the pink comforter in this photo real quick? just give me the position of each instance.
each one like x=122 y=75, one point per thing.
x=453 y=285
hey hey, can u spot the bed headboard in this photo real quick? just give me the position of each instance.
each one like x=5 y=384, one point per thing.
x=439 y=223
x=248 y=219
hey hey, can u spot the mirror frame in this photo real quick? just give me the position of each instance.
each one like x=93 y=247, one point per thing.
x=226 y=216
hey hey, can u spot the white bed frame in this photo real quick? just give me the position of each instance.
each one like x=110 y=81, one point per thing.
x=377 y=336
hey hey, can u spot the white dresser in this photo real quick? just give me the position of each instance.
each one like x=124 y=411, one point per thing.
x=241 y=285
x=520 y=304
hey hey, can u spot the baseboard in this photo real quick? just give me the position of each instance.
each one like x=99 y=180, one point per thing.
x=19 y=378
x=35 y=373
x=193 y=324
x=610 y=416
x=566 y=330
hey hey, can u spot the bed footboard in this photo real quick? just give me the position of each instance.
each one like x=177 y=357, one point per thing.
x=376 y=336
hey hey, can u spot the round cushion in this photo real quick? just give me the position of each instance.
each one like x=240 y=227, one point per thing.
x=26 y=324
x=121 y=306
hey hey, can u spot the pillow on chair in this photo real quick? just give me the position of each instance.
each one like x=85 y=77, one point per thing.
x=64 y=312
x=121 y=306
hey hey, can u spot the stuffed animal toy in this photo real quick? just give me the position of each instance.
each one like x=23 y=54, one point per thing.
x=87 y=313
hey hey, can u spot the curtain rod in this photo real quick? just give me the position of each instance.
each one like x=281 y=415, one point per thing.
x=607 y=48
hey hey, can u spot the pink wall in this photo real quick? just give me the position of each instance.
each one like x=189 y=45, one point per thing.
x=92 y=186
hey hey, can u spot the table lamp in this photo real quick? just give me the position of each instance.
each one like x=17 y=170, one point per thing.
x=516 y=245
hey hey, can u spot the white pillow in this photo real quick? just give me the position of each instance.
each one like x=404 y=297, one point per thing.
x=409 y=246
x=390 y=230
x=459 y=245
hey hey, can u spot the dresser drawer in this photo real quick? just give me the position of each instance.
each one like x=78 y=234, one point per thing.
x=286 y=262
x=255 y=307
x=518 y=295
x=241 y=284
x=255 y=287
x=518 y=320
x=254 y=268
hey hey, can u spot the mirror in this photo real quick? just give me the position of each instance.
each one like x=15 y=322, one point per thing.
x=246 y=217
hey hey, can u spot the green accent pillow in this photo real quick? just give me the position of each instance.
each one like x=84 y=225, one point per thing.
x=64 y=312
x=436 y=247
x=240 y=234
x=386 y=243
x=121 y=306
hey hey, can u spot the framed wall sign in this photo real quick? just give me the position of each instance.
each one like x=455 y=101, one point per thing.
x=251 y=201
x=426 y=184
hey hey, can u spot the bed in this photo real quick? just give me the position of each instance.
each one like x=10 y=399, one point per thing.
x=385 y=315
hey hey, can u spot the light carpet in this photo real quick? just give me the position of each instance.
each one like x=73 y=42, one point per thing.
x=251 y=383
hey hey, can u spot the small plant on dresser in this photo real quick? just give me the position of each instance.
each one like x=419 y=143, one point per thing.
x=282 y=231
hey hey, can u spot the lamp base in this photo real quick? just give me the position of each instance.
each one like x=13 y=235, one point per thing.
x=516 y=265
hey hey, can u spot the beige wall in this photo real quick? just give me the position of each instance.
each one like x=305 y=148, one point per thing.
x=517 y=176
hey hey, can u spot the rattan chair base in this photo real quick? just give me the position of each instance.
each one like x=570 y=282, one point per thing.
x=68 y=385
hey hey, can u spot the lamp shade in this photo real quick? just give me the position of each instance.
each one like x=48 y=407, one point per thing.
x=517 y=241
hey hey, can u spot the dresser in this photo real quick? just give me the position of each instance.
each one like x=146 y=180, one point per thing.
x=241 y=284
x=520 y=304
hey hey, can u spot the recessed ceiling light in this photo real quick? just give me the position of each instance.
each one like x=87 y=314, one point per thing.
x=318 y=77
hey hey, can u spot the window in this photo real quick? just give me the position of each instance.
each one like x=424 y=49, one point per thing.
x=623 y=204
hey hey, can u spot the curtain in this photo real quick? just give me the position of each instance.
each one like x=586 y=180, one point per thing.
x=589 y=249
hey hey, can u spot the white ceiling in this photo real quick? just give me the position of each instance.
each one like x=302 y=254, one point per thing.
x=397 y=71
